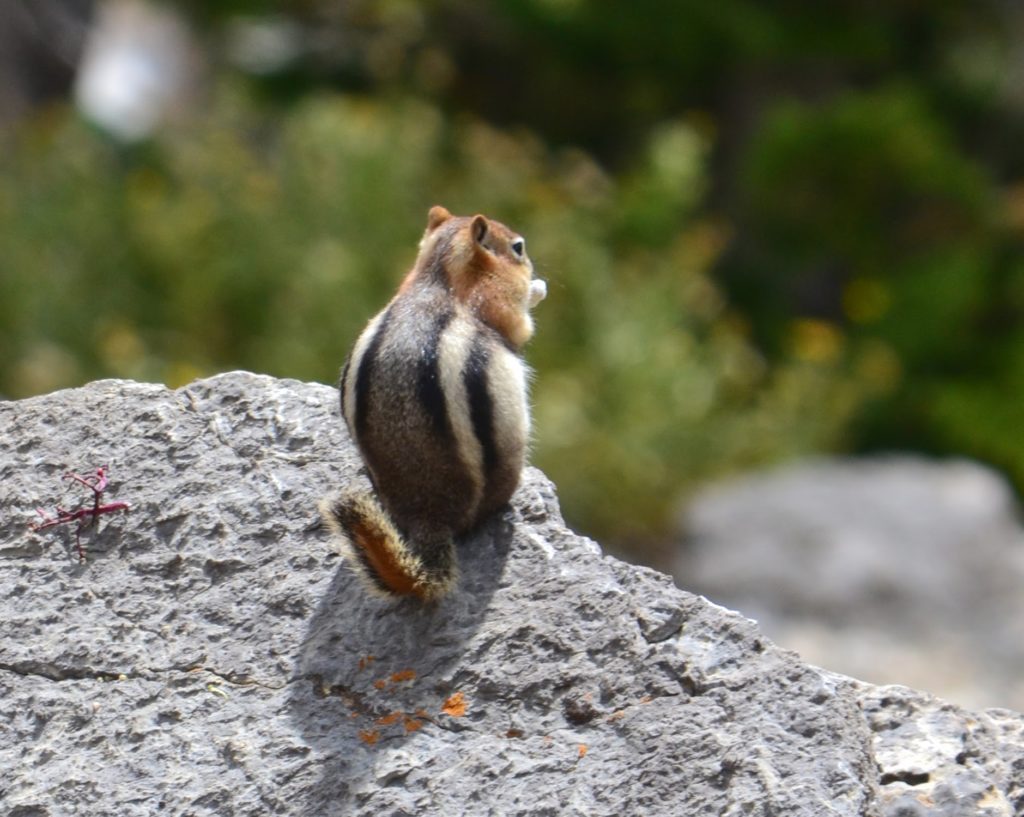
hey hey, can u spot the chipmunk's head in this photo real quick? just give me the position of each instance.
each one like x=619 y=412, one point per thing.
x=486 y=267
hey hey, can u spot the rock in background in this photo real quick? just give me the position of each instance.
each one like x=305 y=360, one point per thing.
x=214 y=656
x=894 y=569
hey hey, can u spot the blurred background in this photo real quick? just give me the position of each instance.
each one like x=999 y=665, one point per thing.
x=771 y=229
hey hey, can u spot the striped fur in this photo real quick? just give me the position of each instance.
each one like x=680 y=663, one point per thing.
x=435 y=396
x=455 y=347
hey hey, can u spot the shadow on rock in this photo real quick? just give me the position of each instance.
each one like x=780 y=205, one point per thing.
x=372 y=673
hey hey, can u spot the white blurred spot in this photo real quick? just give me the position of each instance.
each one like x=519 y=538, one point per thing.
x=135 y=68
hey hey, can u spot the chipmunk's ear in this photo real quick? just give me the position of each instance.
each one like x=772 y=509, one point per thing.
x=437 y=216
x=478 y=229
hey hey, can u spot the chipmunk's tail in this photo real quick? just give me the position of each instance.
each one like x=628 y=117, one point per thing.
x=381 y=556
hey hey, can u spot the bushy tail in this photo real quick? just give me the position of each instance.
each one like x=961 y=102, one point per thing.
x=380 y=555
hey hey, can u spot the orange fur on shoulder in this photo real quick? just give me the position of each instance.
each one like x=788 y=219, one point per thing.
x=486 y=275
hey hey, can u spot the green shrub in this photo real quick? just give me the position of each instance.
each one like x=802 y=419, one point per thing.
x=265 y=239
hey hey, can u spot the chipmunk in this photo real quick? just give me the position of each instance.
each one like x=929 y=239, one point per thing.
x=434 y=394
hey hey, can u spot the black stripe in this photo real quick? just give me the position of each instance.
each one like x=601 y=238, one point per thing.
x=365 y=372
x=341 y=386
x=434 y=270
x=481 y=407
x=428 y=381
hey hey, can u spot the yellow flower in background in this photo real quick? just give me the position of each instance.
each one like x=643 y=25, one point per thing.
x=815 y=341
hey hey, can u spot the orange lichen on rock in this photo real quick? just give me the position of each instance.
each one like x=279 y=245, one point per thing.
x=369 y=736
x=455 y=705
x=403 y=675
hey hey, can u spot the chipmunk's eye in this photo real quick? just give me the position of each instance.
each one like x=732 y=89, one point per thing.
x=519 y=247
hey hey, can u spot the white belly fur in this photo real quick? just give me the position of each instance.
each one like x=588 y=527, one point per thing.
x=507 y=383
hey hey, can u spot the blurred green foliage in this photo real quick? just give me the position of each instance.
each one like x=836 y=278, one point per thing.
x=768 y=229
x=266 y=243
x=919 y=251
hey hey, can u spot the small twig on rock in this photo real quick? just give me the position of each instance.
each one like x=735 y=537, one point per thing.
x=97 y=483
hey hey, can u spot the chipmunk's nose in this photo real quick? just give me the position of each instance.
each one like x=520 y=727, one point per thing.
x=538 y=291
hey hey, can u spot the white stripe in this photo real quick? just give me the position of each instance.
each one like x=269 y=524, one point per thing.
x=364 y=340
x=453 y=349
x=508 y=389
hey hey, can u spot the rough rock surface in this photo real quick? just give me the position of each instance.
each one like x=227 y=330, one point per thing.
x=214 y=656
x=891 y=569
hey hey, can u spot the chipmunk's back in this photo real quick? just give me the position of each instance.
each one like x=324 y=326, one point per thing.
x=438 y=408
x=435 y=396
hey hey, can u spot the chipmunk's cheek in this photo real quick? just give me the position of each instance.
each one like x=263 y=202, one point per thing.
x=538 y=291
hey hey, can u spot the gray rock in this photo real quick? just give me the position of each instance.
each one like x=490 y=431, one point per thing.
x=894 y=569
x=215 y=656
x=938 y=760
